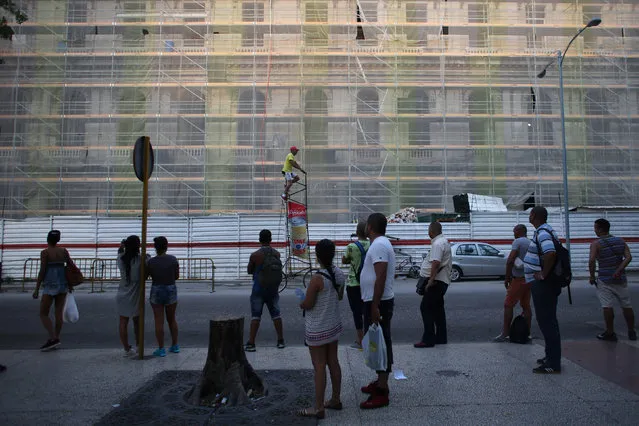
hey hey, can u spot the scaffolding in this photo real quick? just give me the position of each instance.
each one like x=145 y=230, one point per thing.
x=393 y=103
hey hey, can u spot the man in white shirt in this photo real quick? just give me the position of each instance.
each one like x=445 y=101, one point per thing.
x=437 y=267
x=376 y=282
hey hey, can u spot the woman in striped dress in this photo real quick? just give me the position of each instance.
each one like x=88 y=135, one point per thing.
x=323 y=327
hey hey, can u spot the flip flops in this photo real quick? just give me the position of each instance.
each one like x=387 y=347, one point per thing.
x=307 y=412
x=333 y=405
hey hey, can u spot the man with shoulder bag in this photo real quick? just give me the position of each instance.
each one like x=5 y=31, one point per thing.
x=434 y=280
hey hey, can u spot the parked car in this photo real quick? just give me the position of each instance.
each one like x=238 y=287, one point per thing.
x=471 y=259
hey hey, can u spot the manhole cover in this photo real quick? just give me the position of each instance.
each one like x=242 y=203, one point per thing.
x=161 y=401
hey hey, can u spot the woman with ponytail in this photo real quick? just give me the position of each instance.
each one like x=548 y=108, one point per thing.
x=128 y=297
x=323 y=327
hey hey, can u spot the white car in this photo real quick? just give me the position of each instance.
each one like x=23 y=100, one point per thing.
x=472 y=259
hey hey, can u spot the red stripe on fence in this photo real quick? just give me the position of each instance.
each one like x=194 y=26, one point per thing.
x=251 y=244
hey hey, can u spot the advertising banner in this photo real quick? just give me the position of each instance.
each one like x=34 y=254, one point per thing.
x=297 y=225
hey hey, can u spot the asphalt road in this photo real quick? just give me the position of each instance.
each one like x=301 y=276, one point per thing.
x=474 y=312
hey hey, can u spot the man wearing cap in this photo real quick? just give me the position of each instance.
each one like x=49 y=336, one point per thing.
x=288 y=173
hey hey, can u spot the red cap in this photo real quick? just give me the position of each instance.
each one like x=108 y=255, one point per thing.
x=294 y=148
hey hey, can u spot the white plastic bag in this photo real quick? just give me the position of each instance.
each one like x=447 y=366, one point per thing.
x=71 y=313
x=374 y=346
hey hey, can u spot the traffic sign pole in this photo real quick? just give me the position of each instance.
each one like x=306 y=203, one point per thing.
x=143 y=271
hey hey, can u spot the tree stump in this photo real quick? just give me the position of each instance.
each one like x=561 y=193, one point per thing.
x=227 y=373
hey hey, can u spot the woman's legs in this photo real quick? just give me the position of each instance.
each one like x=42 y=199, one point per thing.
x=158 y=315
x=336 y=372
x=124 y=333
x=170 y=319
x=318 y=356
x=59 y=312
x=45 y=307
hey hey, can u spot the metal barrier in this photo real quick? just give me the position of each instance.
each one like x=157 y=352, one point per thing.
x=101 y=270
x=31 y=268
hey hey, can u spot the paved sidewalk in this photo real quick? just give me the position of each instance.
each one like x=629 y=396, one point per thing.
x=475 y=383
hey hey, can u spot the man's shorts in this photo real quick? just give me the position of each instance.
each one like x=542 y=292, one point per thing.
x=386 y=313
x=272 y=302
x=289 y=175
x=518 y=291
x=608 y=293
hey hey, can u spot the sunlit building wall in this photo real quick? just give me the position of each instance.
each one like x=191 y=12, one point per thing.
x=425 y=100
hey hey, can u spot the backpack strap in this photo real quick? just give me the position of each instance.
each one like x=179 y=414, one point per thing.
x=539 y=253
x=335 y=286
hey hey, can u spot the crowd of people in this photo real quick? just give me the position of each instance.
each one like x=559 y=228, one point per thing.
x=529 y=274
x=163 y=269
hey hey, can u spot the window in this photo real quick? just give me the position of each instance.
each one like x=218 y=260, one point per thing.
x=477 y=13
x=252 y=12
x=445 y=30
x=591 y=12
x=486 y=250
x=316 y=12
x=417 y=12
x=535 y=13
x=467 y=250
x=369 y=11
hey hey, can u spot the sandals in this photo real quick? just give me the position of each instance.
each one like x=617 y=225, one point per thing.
x=308 y=412
x=330 y=405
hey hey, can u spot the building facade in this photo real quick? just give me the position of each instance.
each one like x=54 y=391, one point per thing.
x=393 y=103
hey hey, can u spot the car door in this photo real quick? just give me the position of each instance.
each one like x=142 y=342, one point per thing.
x=467 y=257
x=493 y=261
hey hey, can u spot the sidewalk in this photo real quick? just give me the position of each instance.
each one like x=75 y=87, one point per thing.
x=475 y=383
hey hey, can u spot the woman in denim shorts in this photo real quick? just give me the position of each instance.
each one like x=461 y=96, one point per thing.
x=53 y=282
x=164 y=270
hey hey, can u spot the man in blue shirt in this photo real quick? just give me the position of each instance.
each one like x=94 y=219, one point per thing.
x=538 y=265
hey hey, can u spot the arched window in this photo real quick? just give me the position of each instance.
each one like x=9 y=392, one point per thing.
x=367 y=128
x=315 y=120
x=419 y=127
x=249 y=129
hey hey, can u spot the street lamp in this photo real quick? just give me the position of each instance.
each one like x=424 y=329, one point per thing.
x=560 y=62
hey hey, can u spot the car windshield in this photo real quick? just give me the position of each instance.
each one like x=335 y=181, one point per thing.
x=488 y=250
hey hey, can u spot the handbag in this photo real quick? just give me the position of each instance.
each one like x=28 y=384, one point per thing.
x=421 y=283
x=73 y=274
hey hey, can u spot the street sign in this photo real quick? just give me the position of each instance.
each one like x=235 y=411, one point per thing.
x=138 y=159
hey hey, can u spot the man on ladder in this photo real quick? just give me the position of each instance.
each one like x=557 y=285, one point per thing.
x=290 y=176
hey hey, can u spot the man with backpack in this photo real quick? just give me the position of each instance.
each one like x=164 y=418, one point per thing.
x=539 y=269
x=266 y=267
x=354 y=256
x=613 y=255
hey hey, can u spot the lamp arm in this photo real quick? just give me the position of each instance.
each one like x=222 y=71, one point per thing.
x=571 y=40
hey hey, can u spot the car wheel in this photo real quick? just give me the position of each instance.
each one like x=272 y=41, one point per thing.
x=456 y=273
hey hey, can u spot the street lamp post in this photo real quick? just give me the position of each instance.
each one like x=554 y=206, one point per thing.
x=560 y=62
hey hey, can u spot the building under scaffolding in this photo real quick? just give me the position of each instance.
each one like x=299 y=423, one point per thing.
x=393 y=103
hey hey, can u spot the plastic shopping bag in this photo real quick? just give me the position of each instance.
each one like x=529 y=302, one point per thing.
x=71 y=313
x=374 y=346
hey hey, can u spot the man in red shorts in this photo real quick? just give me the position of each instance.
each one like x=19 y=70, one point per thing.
x=517 y=289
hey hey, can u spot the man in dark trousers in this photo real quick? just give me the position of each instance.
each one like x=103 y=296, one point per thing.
x=261 y=295
x=538 y=266
x=437 y=267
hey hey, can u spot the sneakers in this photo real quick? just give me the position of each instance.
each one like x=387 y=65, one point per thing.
x=421 y=345
x=249 y=347
x=280 y=344
x=130 y=353
x=377 y=399
x=369 y=388
x=608 y=337
x=632 y=335
x=544 y=369
x=159 y=352
x=50 y=345
x=175 y=349
x=501 y=339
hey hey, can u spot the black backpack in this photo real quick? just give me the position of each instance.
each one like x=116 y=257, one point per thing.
x=358 y=273
x=519 y=331
x=270 y=277
x=562 y=271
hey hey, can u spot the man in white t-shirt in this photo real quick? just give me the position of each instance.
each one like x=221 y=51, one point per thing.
x=437 y=267
x=376 y=283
